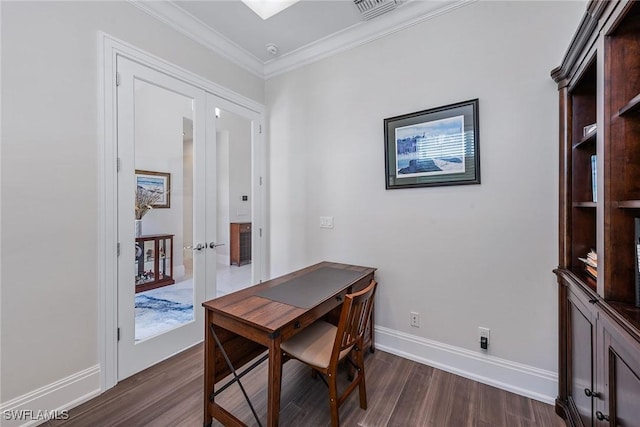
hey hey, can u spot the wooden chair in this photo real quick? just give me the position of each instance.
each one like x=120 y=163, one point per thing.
x=322 y=346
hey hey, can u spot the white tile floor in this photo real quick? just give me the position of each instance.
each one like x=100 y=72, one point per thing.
x=231 y=278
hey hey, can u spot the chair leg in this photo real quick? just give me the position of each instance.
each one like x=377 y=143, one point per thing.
x=333 y=398
x=351 y=373
x=362 y=388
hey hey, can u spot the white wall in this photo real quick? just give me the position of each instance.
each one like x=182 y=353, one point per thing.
x=49 y=314
x=233 y=176
x=222 y=200
x=461 y=256
x=187 y=200
x=239 y=167
x=159 y=147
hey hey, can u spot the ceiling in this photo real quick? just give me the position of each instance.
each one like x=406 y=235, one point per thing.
x=304 y=32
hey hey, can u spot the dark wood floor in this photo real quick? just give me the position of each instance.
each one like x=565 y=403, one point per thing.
x=400 y=393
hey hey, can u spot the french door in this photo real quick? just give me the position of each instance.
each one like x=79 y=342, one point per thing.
x=166 y=196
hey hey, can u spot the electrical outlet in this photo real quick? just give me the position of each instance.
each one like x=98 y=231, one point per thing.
x=483 y=335
x=414 y=319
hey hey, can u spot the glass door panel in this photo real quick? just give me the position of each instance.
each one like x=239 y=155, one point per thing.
x=162 y=199
x=164 y=280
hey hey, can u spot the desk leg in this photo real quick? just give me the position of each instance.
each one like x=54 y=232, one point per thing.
x=275 y=382
x=209 y=371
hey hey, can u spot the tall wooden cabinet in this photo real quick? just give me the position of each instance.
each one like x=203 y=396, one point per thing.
x=240 y=243
x=599 y=322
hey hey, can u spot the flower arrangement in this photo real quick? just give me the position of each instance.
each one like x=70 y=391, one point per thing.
x=145 y=199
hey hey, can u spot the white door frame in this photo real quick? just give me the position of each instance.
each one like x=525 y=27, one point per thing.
x=108 y=48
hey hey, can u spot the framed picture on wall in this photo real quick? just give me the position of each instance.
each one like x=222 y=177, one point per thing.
x=156 y=182
x=439 y=146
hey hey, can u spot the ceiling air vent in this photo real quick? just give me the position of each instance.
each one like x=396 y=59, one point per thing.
x=369 y=9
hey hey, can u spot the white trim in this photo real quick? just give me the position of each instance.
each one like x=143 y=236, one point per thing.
x=223 y=259
x=108 y=48
x=408 y=14
x=107 y=214
x=187 y=24
x=58 y=396
x=138 y=55
x=529 y=381
x=1 y=197
x=179 y=272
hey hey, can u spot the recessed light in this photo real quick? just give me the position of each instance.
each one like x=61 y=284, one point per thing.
x=265 y=9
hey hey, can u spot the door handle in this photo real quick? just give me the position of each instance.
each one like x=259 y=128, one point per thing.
x=214 y=245
x=589 y=393
x=198 y=247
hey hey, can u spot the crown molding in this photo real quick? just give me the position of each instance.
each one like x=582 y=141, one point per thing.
x=187 y=24
x=408 y=14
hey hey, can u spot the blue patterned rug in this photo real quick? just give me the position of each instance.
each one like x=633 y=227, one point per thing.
x=155 y=316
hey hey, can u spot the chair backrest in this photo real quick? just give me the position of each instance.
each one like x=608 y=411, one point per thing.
x=356 y=311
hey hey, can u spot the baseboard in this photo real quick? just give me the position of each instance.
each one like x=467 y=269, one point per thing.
x=179 y=272
x=535 y=383
x=223 y=259
x=51 y=401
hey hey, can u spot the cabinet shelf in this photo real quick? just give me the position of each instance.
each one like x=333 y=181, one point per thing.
x=632 y=106
x=585 y=278
x=628 y=312
x=152 y=259
x=586 y=140
x=628 y=204
x=585 y=204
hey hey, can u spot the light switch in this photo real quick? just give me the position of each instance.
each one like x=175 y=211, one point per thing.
x=326 y=222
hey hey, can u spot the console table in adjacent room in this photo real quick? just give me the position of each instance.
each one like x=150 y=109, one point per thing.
x=154 y=261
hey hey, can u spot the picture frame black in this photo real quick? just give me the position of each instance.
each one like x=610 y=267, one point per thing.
x=434 y=147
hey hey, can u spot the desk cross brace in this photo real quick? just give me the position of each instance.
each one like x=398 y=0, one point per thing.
x=236 y=377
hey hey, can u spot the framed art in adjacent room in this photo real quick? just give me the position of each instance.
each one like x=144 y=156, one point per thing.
x=157 y=182
x=439 y=146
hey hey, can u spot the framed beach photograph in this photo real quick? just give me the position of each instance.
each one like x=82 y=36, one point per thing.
x=157 y=182
x=439 y=146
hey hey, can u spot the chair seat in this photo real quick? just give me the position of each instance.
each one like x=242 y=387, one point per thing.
x=314 y=344
x=322 y=346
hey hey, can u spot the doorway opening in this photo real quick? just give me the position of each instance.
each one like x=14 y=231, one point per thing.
x=117 y=184
x=234 y=202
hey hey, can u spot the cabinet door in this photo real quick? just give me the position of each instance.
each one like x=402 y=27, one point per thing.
x=622 y=378
x=582 y=336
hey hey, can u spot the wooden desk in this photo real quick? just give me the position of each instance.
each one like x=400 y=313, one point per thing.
x=247 y=324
